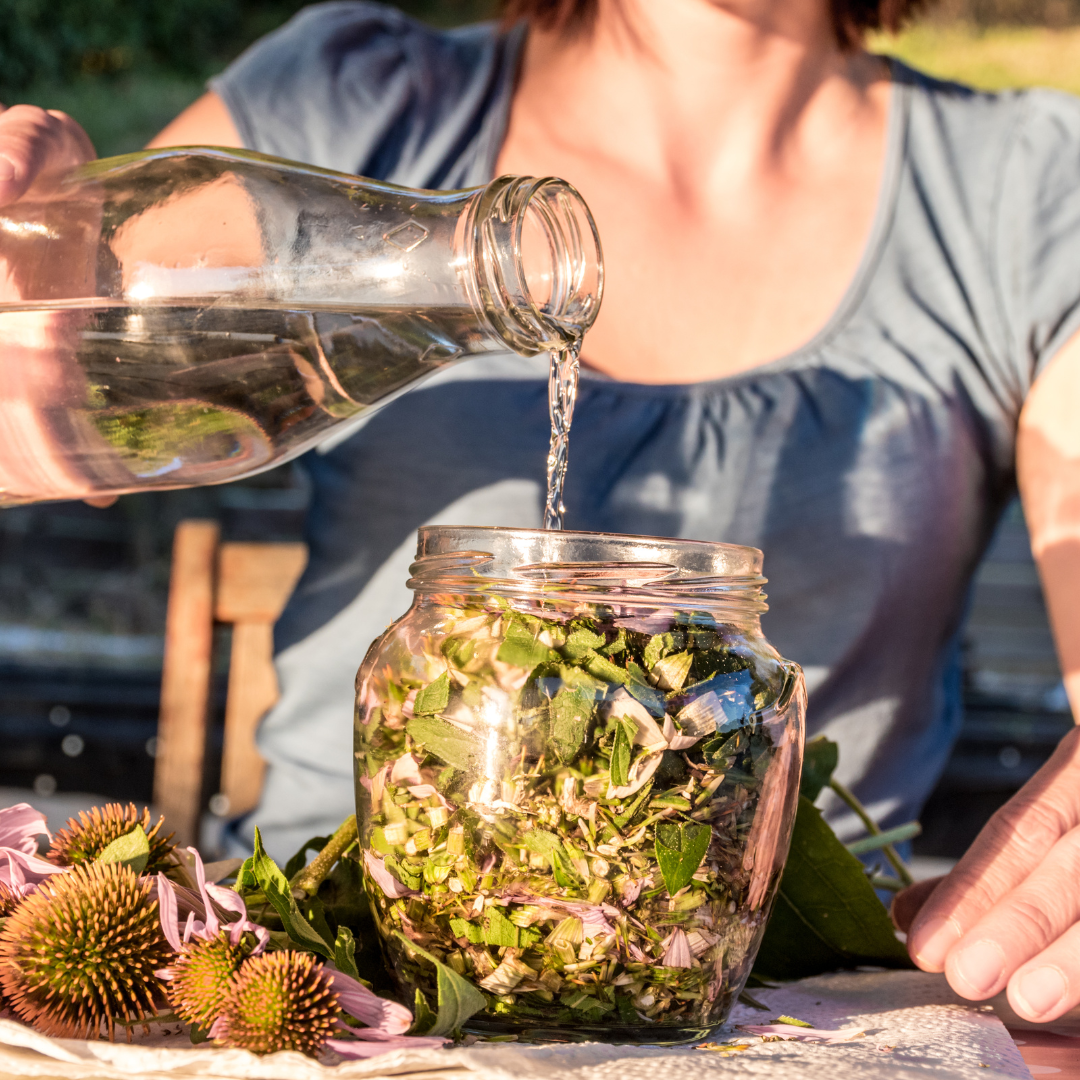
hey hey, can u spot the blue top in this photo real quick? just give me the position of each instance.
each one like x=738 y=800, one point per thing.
x=870 y=465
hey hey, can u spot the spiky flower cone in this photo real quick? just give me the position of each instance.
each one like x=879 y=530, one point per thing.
x=80 y=952
x=201 y=979
x=279 y=1001
x=84 y=840
x=8 y=901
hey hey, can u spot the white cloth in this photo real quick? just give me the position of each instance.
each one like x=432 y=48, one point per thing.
x=915 y=1028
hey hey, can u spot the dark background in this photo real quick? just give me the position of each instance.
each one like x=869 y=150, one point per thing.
x=83 y=591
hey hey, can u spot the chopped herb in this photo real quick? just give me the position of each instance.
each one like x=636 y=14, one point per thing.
x=565 y=814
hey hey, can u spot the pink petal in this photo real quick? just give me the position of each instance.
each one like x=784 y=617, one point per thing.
x=630 y=891
x=25 y=869
x=219 y=1029
x=167 y=912
x=676 y=951
x=423 y=791
x=232 y=901
x=211 y=924
x=20 y=826
x=382 y=1017
x=801 y=1034
x=406 y=771
x=384 y=879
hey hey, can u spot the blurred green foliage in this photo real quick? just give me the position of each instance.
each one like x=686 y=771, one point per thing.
x=124 y=68
x=53 y=41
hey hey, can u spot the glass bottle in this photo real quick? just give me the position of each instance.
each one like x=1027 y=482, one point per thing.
x=577 y=765
x=194 y=315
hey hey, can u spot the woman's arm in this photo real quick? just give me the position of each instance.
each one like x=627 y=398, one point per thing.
x=206 y=122
x=1009 y=913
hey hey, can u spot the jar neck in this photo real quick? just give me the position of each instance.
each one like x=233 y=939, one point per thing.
x=535 y=262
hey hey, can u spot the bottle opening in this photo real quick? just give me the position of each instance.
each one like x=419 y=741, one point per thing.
x=538 y=260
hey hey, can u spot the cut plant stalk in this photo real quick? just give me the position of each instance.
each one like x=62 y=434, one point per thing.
x=890 y=853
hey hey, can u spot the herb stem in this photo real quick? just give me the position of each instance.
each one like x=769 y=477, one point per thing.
x=308 y=880
x=890 y=853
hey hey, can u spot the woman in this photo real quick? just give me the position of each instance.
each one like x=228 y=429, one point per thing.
x=840 y=320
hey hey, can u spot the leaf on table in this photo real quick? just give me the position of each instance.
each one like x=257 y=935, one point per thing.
x=819 y=763
x=434 y=697
x=679 y=851
x=458 y=998
x=827 y=915
x=275 y=887
x=445 y=741
x=131 y=850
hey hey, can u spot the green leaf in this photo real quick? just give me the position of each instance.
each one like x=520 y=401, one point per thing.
x=603 y=668
x=580 y=642
x=458 y=998
x=458 y=650
x=570 y=711
x=445 y=741
x=245 y=877
x=423 y=1018
x=542 y=842
x=345 y=952
x=818 y=764
x=469 y=931
x=131 y=850
x=679 y=851
x=499 y=930
x=653 y=651
x=562 y=869
x=671 y=672
x=275 y=885
x=521 y=648
x=621 y=751
x=629 y=812
x=827 y=915
x=434 y=697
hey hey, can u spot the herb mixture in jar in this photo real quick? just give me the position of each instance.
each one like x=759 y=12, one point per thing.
x=568 y=813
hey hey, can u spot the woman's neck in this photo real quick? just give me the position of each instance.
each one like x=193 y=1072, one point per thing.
x=732 y=157
x=697 y=88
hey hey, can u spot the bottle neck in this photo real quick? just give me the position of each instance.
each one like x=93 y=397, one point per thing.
x=536 y=263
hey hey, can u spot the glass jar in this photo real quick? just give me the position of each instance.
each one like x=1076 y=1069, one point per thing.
x=577 y=764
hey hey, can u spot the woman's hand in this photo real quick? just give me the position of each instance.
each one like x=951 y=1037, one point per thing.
x=1008 y=916
x=37 y=142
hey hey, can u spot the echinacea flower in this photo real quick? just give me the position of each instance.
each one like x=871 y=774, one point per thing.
x=80 y=952
x=207 y=903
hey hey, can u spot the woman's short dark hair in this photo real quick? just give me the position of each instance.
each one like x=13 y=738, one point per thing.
x=852 y=18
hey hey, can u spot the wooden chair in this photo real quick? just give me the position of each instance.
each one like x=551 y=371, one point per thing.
x=246 y=585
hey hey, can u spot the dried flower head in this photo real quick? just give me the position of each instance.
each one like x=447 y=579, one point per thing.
x=279 y=1001
x=9 y=900
x=80 y=952
x=200 y=978
x=84 y=840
